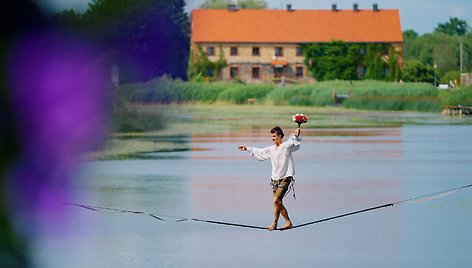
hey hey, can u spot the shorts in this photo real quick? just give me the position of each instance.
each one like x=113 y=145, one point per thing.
x=280 y=187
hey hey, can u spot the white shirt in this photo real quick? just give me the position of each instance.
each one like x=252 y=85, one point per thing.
x=280 y=157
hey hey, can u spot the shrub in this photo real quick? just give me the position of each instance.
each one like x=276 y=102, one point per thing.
x=461 y=96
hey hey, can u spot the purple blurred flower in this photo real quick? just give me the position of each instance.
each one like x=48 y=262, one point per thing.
x=60 y=97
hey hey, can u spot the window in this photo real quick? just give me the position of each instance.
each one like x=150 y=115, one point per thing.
x=299 y=51
x=279 y=51
x=233 y=72
x=362 y=51
x=255 y=73
x=362 y=71
x=278 y=71
x=255 y=51
x=384 y=51
x=210 y=51
x=209 y=72
x=299 y=71
x=234 y=51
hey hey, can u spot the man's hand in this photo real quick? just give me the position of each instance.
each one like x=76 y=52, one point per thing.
x=297 y=132
x=242 y=147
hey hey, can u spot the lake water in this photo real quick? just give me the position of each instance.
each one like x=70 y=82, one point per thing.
x=337 y=171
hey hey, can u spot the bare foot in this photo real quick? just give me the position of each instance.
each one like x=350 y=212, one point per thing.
x=287 y=226
x=272 y=227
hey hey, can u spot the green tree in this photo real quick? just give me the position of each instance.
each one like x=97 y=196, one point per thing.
x=334 y=60
x=421 y=49
x=68 y=18
x=446 y=53
x=149 y=37
x=455 y=26
x=340 y=60
x=440 y=49
x=254 y=4
x=416 y=71
x=409 y=36
x=242 y=4
x=451 y=75
x=467 y=52
x=215 y=4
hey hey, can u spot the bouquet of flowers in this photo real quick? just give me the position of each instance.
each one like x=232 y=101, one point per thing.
x=299 y=119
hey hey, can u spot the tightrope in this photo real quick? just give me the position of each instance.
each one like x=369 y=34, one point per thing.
x=180 y=219
x=411 y=200
x=153 y=215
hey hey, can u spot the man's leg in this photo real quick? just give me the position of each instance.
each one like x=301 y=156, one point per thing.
x=288 y=223
x=277 y=210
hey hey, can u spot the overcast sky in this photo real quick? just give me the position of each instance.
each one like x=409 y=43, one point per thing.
x=420 y=15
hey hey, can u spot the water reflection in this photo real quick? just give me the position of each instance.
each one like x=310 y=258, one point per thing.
x=337 y=171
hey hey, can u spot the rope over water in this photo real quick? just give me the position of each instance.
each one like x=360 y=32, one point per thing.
x=180 y=219
x=155 y=216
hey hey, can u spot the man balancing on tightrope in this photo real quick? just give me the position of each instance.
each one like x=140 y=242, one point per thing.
x=280 y=154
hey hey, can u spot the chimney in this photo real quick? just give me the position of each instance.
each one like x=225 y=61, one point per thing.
x=376 y=7
x=289 y=7
x=334 y=7
x=232 y=7
x=355 y=7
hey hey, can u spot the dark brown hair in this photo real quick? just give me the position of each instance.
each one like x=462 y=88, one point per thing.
x=278 y=131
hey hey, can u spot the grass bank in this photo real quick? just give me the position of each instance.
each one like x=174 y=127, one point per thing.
x=365 y=95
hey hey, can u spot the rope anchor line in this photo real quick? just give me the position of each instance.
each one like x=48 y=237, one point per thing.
x=181 y=219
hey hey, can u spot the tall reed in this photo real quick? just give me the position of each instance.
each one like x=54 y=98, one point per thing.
x=367 y=94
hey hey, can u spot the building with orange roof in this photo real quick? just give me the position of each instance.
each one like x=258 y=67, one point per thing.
x=260 y=45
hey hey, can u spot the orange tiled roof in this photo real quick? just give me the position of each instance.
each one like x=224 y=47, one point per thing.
x=298 y=26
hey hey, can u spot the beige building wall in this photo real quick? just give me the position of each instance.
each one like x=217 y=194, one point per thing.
x=245 y=61
x=267 y=52
x=466 y=79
